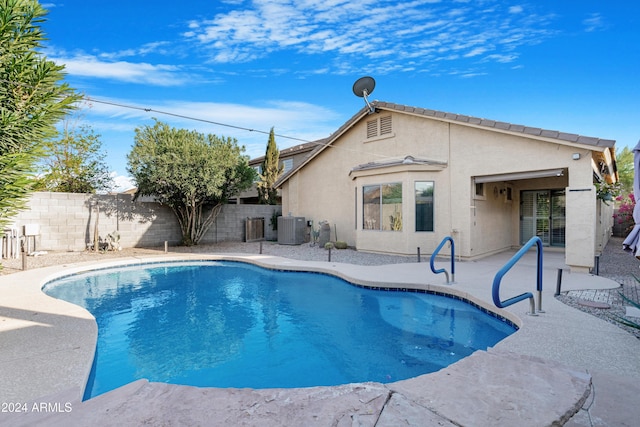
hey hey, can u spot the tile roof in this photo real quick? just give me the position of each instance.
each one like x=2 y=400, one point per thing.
x=454 y=118
x=288 y=152
x=407 y=160
x=504 y=126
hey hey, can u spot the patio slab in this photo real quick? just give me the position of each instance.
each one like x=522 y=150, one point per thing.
x=480 y=390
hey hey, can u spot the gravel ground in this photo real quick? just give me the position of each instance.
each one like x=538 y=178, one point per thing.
x=304 y=252
x=622 y=267
x=614 y=264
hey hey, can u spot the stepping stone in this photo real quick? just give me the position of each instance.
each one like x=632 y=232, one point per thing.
x=632 y=311
x=594 y=304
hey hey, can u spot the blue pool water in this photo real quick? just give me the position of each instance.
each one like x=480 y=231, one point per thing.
x=232 y=324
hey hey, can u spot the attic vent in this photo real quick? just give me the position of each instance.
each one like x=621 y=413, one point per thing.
x=379 y=127
x=385 y=125
x=372 y=128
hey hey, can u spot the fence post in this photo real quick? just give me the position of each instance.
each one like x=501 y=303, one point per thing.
x=558 y=282
x=24 y=258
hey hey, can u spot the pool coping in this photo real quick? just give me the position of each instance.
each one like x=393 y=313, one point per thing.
x=63 y=367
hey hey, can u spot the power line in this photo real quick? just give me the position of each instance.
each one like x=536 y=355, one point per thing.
x=182 y=116
x=167 y=113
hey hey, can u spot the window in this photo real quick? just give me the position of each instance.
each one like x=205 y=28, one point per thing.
x=287 y=165
x=479 y=189
x=382 y=207
x=424 y=205
x=379 y=127
x=355 y=208
x=371 y=207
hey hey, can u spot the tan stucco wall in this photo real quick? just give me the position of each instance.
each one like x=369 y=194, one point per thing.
x=605 y=224
x=477 y=152
x=323 y=193
x=325 y=190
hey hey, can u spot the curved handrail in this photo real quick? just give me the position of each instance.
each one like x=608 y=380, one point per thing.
x=535 y=240
x=453 y=260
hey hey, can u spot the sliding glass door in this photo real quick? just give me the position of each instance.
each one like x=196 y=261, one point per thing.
x=542 y=214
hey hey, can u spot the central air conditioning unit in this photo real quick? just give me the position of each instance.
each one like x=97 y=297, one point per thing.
x=291 y=230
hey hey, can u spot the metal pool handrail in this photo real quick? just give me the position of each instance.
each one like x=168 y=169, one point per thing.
x=535 y=240
x=453 y=260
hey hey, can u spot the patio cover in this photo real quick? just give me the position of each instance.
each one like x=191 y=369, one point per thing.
x=518 y=175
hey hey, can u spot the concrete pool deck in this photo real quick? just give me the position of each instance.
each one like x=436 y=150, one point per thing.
x=554 y=365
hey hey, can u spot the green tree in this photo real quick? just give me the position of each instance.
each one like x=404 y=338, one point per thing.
x=191 y=173
x=271 y=171
x=624 y=163
x=32 y=99
x=75 y=162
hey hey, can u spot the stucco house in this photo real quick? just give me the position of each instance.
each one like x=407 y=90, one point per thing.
x=290 y=158
x=397 y=178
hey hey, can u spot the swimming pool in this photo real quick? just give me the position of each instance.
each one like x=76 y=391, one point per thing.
x=233 y=324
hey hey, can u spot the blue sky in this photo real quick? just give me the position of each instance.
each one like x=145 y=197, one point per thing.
x=569 y=65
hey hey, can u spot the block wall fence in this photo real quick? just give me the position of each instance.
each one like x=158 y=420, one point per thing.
x=66 y=221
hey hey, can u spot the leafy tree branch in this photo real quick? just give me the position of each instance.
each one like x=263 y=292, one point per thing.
x=191 y=173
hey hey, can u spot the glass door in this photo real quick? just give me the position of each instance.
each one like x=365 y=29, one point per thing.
x=542 y=214
x=558 y=218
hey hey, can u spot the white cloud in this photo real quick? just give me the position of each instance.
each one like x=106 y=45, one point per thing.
x=469 y=75
x=475 y=52
x=142 y=73
x=161 y=47
x=594 y=22
x=502 y=58
x=357 y=30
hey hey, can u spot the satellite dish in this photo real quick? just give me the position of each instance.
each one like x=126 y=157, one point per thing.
x=363 y=88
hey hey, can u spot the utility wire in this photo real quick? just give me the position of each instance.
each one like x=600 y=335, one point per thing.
x=167 y=113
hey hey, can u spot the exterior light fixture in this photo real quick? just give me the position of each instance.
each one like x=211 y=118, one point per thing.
x=576 y=156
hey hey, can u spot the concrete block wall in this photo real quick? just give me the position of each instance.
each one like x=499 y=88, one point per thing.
x=230 y=224
x=67 y=221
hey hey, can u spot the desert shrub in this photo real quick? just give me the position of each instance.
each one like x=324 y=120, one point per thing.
x=340 y=244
